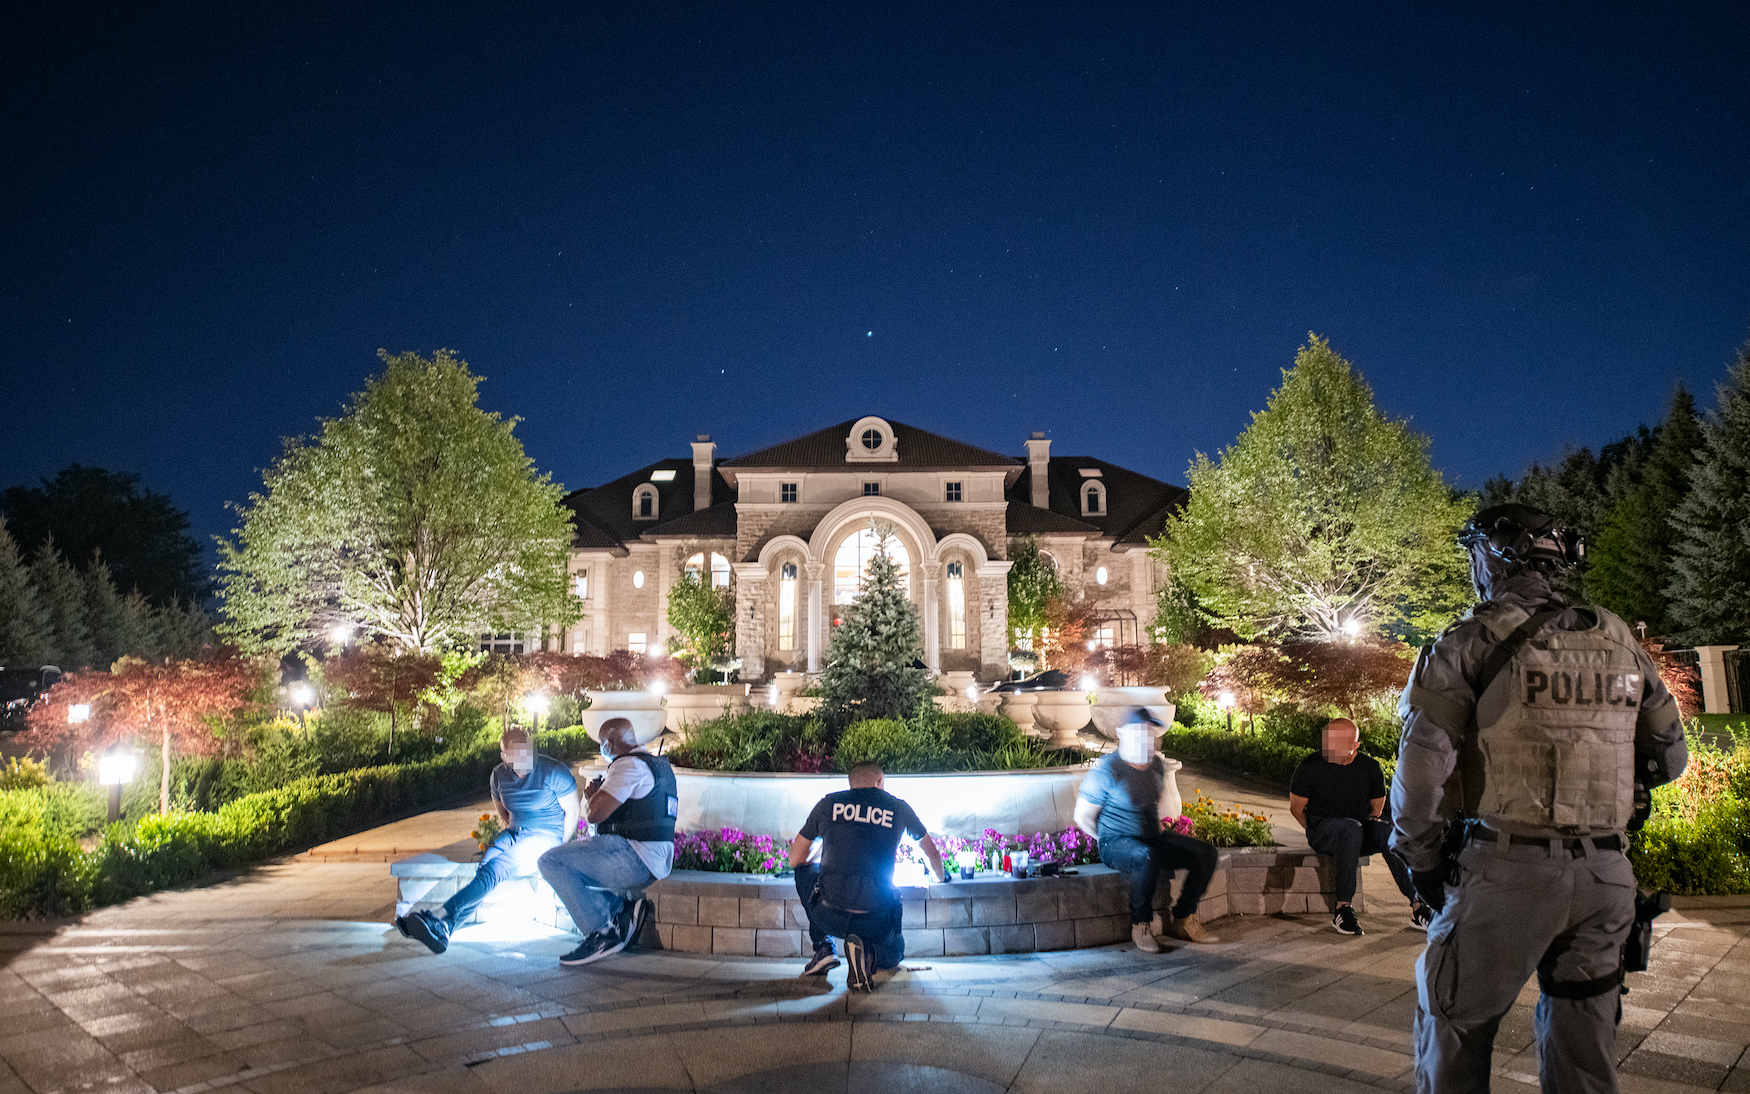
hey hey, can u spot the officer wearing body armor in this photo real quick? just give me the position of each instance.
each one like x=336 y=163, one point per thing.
x=1528 y=727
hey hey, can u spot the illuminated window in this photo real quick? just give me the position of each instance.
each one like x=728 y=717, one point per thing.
x=638 y=579
x=953 y=492
x=853 y=558
x=956 y=606
x=1100 y=575
x=502 y=643
x=580 y=583
x=636 y=643
x=665 y=475
x=787 y=606
x=871 y=489
x=719 y=568
x=1102 y=638
x=644 y=502
x=787 y=491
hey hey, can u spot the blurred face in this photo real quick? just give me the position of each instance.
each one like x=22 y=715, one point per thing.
x=1341 y=742
x=1135 y=743
x=518 y=754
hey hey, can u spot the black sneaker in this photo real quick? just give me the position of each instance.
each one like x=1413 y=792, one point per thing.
x=860 y=973
x=824 y=959
x=427 y=928
x=1343 y=920
x=632 y=919
x=597 y=946
x=1420 y=917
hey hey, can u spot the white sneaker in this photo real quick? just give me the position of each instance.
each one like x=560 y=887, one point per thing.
x=1143 y=935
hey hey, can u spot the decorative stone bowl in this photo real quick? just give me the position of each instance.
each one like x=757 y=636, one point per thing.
x=644 y=709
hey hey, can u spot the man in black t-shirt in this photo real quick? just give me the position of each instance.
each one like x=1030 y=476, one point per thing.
x=1338 y=796
x=851 y=893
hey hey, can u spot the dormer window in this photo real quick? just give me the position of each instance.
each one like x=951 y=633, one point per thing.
x=871 y=440
x=1093 y=498
x=645 y=502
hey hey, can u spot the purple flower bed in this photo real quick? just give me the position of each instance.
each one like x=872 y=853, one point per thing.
x=732 y=851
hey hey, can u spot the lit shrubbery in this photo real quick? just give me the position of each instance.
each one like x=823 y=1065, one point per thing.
x=1694 y=841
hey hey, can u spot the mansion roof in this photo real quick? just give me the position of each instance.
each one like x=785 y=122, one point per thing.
x=1134 y=505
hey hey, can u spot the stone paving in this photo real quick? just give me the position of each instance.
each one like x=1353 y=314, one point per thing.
x=287 y=978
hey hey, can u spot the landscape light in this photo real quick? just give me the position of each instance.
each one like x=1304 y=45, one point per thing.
x=115 y=767
x=536 y=703
x=1225 y=700
x=657 y=687
x=1090 y=684
x=303 y=695
x=971 y=693
x=340 y=634
x=772 y=695
x=78 y=712
x=1352 y=626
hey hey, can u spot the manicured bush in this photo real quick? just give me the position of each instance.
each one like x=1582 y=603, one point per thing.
x=1694 y=842
x=60 y=810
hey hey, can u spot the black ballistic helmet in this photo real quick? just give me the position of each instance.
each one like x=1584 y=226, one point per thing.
x=1504 y=540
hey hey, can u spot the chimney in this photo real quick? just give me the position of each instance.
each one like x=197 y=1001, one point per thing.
x=703 y=453
x=1039 y=462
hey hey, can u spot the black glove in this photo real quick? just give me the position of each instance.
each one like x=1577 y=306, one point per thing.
x=1430 y=885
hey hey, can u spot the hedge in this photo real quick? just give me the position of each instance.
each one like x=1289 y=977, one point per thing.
x=44 y=872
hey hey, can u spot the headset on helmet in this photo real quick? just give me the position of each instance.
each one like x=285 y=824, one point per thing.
x=1520 y=534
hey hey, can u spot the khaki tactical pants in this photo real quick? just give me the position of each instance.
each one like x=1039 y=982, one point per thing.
x=1518 y=910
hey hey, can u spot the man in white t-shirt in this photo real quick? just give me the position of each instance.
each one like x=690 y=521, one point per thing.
x=601 y=880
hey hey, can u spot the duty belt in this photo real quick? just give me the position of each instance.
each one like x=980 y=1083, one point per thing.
x=1574 y=847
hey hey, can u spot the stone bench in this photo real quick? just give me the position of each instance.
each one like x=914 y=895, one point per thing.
x=755 y=915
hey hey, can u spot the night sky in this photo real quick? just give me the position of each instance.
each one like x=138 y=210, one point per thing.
x=1115 y=223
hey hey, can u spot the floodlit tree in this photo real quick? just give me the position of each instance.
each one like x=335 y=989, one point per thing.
x=703 y=617
x=1710 y=584
x=175 y=702
x=872 y=659
x=1322 y=512
x=1033 y=583
x=415 y=515
x=1629 y=561
x=377 y=678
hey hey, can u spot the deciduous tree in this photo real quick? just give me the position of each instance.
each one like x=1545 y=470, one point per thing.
x=703 y=617
x=380 y=678
x=414 y=515
x=1323 y=511
x=1033 y=582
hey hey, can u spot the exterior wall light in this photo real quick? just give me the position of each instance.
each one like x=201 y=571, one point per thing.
x=1100 y=575
x=638 y=579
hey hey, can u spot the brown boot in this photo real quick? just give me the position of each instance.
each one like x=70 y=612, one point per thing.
x=1188 y=929
x=1144 y=938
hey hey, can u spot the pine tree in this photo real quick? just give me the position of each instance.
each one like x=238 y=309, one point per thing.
x=180 y=629
x=62 y=593
x=25 y=630
x=872 y=660
x=118 y=624
x=1710 y=585
x=1630 y=560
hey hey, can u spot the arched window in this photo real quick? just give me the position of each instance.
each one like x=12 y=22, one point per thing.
x=645 y=502
x=719 y=568
x=1093 y=498
x=956 y=606
x=853 y=558
x=787 y=606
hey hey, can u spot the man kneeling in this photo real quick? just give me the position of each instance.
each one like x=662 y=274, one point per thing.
x=851 y=894
x=633 y=808
x=536 y=799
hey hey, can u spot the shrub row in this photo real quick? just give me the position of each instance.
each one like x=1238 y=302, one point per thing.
x=1260 y=756
x=44 y=872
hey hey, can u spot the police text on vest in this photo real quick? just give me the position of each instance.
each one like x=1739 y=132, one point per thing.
x=866 y=814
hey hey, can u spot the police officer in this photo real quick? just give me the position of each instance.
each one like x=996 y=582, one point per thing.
x=1529 y=722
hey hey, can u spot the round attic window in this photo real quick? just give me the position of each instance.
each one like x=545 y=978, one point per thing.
x=871 y=439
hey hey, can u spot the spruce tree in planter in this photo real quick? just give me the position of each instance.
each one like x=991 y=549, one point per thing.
x=873 y=657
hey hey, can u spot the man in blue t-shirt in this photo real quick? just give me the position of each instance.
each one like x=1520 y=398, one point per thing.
x=536 y=799
x=851 y=894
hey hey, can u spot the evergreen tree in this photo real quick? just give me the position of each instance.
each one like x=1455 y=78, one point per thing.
x=1710 y=584
x=61 y=592
x=1629 y=561
x=181 y=629
x=118 y=624
x=25 y=631
x=872 y=660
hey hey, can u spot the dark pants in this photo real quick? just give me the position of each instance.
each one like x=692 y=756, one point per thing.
x=513 y=854
x=1345 y=840
x=880 y=930
x=1141 y=861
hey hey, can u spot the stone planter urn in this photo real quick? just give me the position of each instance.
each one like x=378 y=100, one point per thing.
x=1113 y=706
x=644 y=709
x=781 y=691
x=1017 y=707
x=1062 y=714
x=703 y=702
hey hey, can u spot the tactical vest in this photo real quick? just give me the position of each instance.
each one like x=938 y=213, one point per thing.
x=649 y=819
x=1561 y=754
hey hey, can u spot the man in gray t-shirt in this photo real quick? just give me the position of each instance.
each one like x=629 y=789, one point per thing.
x=536 y=800
x=1119 y=805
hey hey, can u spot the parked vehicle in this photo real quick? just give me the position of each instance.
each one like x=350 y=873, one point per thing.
x=20 y=689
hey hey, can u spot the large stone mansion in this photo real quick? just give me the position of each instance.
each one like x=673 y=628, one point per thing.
x=789 y=527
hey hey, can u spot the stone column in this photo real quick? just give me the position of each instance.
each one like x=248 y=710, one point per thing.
x=992 y=607
x=1714 y=698
x=750 y=619
x=664 y=578
x=600 y=582
x=1142 y=600
x=932 y=629
x=816 y=618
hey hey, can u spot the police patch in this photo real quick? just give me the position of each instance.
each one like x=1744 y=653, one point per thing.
x=1564 y=687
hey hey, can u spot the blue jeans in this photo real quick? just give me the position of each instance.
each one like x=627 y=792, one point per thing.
x=592 y=876
x=1345 y=840
x=879 y=930
x=1141 y=861
x=512 y=854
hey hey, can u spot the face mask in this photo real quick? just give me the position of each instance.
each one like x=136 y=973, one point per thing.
x=1135 y=745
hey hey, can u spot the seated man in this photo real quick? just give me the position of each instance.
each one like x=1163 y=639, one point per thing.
x=1120 y=806
x=633 y=808
x=851 y=894
x=536 y=799
x=1338 y=796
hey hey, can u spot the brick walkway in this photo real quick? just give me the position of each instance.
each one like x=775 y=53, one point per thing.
x=287 y=978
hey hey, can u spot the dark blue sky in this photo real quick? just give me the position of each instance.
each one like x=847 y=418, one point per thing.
x=1523 y=223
